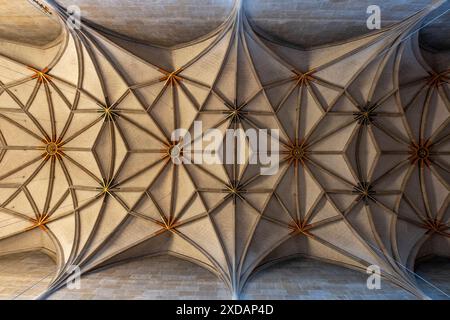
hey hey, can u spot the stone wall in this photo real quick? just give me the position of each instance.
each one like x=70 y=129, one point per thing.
x=306 y=279
x=162 y=277
x=167 y=277
x=434 y=277
x=25 y=275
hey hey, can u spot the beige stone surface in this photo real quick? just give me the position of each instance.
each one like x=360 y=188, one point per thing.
x=310 y=23
x=25 y=275
x=165 y=23
x=306 y=23
x=306 y=279
x=162 y=277
x=22 y=22
x=86 y=147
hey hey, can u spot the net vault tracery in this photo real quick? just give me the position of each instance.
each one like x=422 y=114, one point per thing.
x=85 y=153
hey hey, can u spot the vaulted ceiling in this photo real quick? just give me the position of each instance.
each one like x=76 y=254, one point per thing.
x=364 y=171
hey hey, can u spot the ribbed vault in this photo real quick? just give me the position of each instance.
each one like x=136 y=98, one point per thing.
x=85 y=144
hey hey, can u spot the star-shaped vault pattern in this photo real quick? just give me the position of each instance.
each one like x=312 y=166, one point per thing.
x=86 y=153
